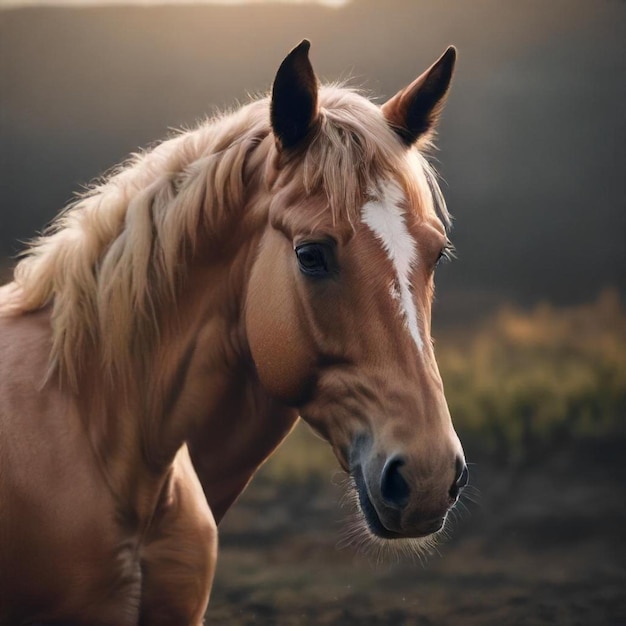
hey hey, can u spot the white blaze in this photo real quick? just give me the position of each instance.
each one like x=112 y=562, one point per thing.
x=385 y=218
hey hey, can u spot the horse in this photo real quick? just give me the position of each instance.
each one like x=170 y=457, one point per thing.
x=165 y=334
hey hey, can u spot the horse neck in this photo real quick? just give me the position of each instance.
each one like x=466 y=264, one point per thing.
x=204 y=389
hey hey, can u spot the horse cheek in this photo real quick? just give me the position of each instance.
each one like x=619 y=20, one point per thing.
x=278 y=344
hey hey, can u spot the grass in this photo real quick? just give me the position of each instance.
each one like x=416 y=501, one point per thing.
x=527 y=381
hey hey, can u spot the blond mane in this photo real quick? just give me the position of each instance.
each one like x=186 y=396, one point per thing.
x=112 y=258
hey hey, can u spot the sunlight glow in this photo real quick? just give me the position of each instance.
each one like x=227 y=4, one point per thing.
x=86 y=3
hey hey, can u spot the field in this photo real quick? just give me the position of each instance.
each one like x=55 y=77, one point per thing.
x=539 y=400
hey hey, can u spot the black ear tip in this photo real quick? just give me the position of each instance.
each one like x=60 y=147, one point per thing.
x=448 y=58
x=302 y=49
x=298 y=57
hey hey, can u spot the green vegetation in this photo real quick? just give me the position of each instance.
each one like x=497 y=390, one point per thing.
x=529 y=381
x=519 y=385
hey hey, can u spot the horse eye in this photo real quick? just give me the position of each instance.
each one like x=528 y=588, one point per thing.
x=312 y=258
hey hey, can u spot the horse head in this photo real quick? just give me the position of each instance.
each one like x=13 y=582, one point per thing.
x=338 y=307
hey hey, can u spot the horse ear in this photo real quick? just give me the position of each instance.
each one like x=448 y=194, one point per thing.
x=414 y=111
x=294 y=108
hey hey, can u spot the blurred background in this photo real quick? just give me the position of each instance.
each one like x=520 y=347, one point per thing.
x=529 y=320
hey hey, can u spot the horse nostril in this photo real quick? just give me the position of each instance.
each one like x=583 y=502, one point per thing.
x=461 y=479
x=393 y=487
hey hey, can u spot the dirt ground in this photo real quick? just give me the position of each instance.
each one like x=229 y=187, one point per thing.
x=543 y=543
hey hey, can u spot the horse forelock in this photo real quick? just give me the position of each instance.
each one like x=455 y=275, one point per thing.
x=114 y=255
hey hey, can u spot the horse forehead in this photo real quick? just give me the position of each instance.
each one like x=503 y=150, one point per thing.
x=385 y=217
